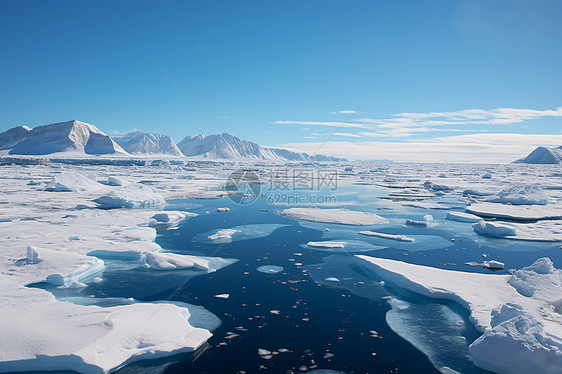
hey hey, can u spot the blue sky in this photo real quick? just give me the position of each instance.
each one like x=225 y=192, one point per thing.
x=481 y=83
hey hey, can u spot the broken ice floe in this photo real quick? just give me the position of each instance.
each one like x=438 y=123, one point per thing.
x=341 y=216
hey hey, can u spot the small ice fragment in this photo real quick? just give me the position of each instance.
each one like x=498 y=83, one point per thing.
x=493 y=264
x=328 y=355
x=382 y=283
x=332 y=279
x=32 y=254
x=97 y=279
x=222 y=296
x=223 y=210
x=327 y=244
x=283 y=350
x=275 y=312
x=413 y=222
x=263 y=352
x=270 y=269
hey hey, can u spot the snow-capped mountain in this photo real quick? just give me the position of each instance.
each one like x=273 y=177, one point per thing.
x=137 y=142
x=11 y=137
x=226 y=146
x=73 y=136
x=543 y=155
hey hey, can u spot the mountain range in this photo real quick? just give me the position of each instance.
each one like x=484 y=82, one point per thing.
x=543 y=155
x=80 y=138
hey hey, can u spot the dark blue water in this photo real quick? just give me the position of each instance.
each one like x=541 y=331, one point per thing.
x=315 y=316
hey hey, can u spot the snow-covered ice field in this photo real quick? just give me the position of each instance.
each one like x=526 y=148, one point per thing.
x=60 y=224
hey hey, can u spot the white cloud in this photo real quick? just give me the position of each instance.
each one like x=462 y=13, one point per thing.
x=347 y=134
x=490 y=148
x=322 y=123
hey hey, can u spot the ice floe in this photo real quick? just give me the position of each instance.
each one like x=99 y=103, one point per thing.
x=518 y=314
x=463 y=217
x=515 y=212
x=237 y=233
x=348 y=246
x=270 y=269
x=341 y=216
x=399 y=237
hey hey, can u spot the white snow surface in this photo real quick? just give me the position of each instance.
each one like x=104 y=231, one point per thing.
x=518 y=314
x=341 y=216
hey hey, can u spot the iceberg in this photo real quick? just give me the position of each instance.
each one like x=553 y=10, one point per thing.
x=133 y=195
x=173 y=261
x=520 y=194
x=494 y=229
x=72 y=181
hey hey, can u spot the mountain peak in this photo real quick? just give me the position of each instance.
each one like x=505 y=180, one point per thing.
x=543 y=155
x=73 y=135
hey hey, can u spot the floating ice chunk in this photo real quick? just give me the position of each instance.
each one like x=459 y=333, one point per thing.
x=223 y=210
x=521 y=194
x=348 y=246
x=327 y=244
x=117 y=181
x=495 y=229
x=477 y=192
x=341 y=216
x=493 y=264
x=223 y=236
x=263 y=352
x=237 y=233
x=402 y=238
x=169 y=218
x=414 y=222
x=425 y=205
x=463 y=217
x=32 y=256
x=515 y=212
x=133 y=195
x=270 y=269
x=222 y=296
x=419 y=243
x=332 y=279
x=72 y=181
x=171 y=261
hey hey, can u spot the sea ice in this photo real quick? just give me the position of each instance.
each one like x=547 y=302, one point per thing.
x=327 y=244
x=341 y=216
x=133 y=195
x=270 y=269
x=463 y=217
x=402 y=238
x=495 y=229
x=515 y=212
x=237 y=233
x=518 y=314
x=172 y=261
x=349 y=246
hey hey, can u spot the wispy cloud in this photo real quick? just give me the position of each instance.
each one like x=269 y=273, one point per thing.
x=345 y=112
x=322 y=123
x=490 y=148
x=403 y=125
